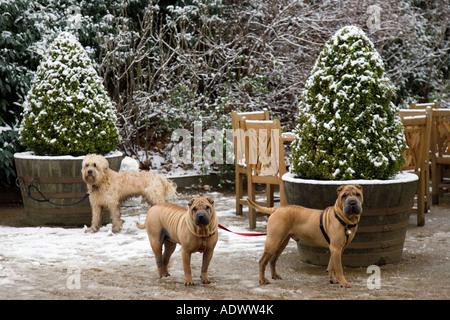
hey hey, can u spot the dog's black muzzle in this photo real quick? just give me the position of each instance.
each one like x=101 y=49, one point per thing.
x=201 y=218
x=352 y=206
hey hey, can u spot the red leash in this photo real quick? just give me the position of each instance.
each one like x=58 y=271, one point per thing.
x=243 y=234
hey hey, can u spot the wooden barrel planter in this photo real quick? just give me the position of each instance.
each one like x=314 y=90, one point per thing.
x=384 y=221
x=53 y=190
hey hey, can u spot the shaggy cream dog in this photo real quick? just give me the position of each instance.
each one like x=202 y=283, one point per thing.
x=108 y=188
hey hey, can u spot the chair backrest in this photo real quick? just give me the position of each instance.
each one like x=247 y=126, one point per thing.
x=441 y=133
x=264 y=155
x=434 y=105
x=411 y=112
x=417 y=130
x=238 y=137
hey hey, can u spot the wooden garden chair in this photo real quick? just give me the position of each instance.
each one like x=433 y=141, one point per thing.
x=264 y=159
x=440 y=153
x=434 y=105
x=417 y=130
x=420 y=109
x=239 y=151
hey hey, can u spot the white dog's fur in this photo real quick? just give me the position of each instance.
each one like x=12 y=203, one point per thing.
x=130 y=164
x=108 y=188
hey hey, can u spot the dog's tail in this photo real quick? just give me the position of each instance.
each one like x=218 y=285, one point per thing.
x=260 y=208
x=140 y=226
x=170 y=188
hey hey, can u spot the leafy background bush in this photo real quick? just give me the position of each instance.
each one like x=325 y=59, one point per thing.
x=348 y=128
x=212 y=56
x=67 y=111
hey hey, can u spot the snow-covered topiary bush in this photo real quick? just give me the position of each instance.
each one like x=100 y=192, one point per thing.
x=67 y=110
x=347 y=127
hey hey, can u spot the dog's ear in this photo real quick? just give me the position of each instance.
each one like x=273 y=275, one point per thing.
x=340 y=189
x=191 y=202
x=358 y=187
x=210 y=200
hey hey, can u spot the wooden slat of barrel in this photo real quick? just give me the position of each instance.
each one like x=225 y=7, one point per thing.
x=61 y=182
x=378 y=241
x=382 y=228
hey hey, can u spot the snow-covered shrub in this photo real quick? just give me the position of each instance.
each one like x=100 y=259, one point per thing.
x=67 y=110
x=347 y=126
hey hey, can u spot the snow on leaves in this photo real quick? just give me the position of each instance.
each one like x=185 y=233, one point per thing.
x=347 y=126
x=67 y=110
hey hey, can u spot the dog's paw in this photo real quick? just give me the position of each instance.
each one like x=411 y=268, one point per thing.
x=333 y=279
x=205 y=280
x=116 y=229
x=91 y=230
x=163 y=273
x=264 y=281
x=189 y=284
x=276 y=276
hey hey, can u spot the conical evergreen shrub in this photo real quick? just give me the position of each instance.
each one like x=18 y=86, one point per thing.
x=67 y=110
x=347 y=127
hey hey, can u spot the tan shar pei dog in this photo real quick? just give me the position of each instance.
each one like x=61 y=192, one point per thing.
x=333 y=227
x=195 y=229
x=108 y=188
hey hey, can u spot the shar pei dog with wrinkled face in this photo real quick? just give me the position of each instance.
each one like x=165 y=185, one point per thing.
x=334 y=227
x=108 y=188
x=194 y=228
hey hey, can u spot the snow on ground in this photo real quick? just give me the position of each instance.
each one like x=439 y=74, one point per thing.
x=64 y=263
x=72 y=249
x=71 y=245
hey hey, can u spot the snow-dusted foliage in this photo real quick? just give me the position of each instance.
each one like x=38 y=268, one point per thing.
x=347 y=126
x=172 y=74
x=67 y=110
x=166 y=63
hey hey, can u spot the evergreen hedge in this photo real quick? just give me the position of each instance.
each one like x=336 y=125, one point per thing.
x=347 y=127
x=67 y=110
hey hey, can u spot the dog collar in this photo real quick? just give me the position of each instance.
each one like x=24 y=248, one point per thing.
x=347 y=227
x=203 y=246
